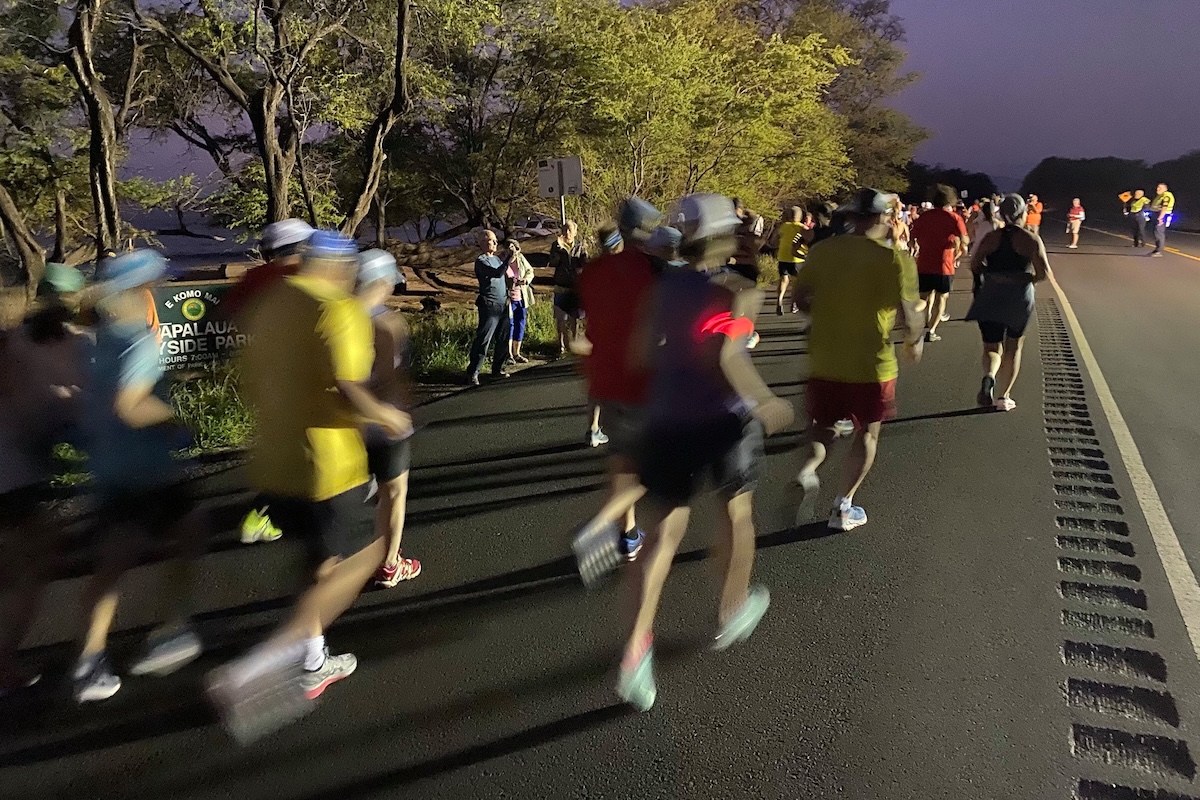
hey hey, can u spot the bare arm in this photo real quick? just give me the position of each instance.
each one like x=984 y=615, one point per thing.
x=370 y=410
x=137 y=406
x=986 y=248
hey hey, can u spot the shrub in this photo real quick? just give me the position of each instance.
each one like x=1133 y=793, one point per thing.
x=211 y=406
x=768 y=270
x=441 y=342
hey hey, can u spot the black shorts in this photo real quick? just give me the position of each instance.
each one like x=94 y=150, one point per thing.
x=997 y=332
x=338 y=527
x=674 y=462
x=789 y=268
x=152 y=513
x=934 y=283
x=388 y=460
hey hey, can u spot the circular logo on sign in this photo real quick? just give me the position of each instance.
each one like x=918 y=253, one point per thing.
x=192 y=309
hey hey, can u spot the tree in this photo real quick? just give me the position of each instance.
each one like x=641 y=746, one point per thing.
x=922 y=178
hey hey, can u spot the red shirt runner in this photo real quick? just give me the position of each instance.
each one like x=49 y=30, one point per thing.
x=934 y=233
x=611 y=290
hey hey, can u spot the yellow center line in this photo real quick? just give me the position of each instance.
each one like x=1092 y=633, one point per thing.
x=1171 y=250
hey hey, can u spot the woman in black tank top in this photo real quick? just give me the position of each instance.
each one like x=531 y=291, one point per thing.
x=1005 y=267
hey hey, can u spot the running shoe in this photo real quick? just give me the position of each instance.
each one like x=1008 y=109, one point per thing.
x=753 y=340
x=94 y=680
x=847 y=519
x=779 y=311
x=403 y=570
x=987 y=390
x=795 y=308
x=597 y=438
x=1072 y=247
x=335 y=668
x=1004 y=404
x=472 y=380
x=597 y=549
x=809 y=485
x=636 y=686
x=522 y=360
x=1156 y=255
x=251 y=709
x=843 y=427
x=945 y=317
x=16 y=678
x=930 y=336
x=257 y=527
x=167 y=652
x=631 y=543
x=743 y=622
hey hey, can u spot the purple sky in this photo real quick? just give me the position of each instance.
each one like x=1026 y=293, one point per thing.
x=1006 y=83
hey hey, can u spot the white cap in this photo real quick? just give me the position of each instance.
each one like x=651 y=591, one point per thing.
x=286 y=232
x=705 y=216
x=377 y=265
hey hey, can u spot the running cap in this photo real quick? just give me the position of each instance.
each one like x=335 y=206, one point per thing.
x=706 y=216
x=284 y=233
x=377 y=265
x=129 y=271
x=1012 y=207
x=867 y=202
x=613 y=239
x=60 y=279
x=635 y=214
x=331 y=244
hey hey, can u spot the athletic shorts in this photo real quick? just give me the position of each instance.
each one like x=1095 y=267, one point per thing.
x=151 y=513
x=863 y=403
x=789 y=268
x=338 y=527
x=1073 y=226
x=625 y=426
x=675 y=462
x=934 y=283
x=388 y=460
x=997 y=332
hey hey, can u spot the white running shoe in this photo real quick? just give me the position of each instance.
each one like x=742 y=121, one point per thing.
x=847 y=519
x=843 y=427
x=1004 y=404
x=335 y=668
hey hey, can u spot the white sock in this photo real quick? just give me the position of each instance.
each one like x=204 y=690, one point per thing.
x=844 y=503
x=314 y=653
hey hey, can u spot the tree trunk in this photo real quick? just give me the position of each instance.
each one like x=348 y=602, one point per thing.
x=103 y=151
x=309 y=204
x=399 y=104
x=276 y=147
x=381 y=221
x=33 y=258
x=60 y=225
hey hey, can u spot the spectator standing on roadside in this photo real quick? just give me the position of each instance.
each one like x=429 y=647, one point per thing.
x=941 y=237
x=567 y=257
x=1075 y=217
x=495 y=321
x=1135 y=213
x=388 y=457
x=520 y=299
x=1033 y=215
x=1162 y=208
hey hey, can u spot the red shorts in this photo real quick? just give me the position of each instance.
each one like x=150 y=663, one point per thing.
x=864 y=403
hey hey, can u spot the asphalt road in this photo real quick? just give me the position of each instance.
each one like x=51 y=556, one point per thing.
x=1001 y=629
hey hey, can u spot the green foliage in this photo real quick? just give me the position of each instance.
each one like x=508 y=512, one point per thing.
x=441 y=342
x=922 y=178
x=768 y=271
x=241 y=202
x=211 y=406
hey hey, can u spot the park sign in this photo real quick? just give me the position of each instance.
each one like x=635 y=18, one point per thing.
x=192 y=331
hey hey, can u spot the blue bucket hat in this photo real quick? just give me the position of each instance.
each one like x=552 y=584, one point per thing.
x=331 y=244
x=130 y=270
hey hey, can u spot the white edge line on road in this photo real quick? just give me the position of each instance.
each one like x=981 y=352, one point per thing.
x=1179 y=573
x=1173 y=250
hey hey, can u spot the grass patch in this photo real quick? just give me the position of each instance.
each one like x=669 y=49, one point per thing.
x=210 y=405
x=768 y=271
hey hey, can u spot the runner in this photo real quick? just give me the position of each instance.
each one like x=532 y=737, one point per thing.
x=703 y=392
x=1135 y=213
x=941 y=237
x=306 y=370
x=1162 y=209
x=282 y=247
x=749 y=237
x=852 y=286
x=1075 y=217
x=609 y=288
x=141 y=497
x=985 y=222
x=388 y=457
x=1006 y=266
x=790 y=252
x=42 y=365
x=1033 y=215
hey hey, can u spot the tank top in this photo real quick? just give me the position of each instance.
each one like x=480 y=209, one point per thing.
x=688 y=386
x=1005 y=259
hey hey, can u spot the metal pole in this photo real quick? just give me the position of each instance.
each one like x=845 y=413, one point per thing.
x=562 y=198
